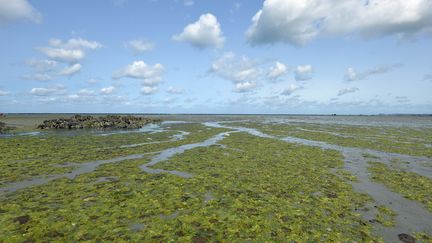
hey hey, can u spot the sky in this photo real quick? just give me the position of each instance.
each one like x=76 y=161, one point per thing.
x=216 y=56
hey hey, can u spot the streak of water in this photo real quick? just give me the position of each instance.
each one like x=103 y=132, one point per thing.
x=168 y=153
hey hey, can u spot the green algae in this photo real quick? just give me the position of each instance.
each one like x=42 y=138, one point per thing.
x=386 y=216
x=261 y=190
x=410 y=141
x=408 y=184
x=244 y=189
x=24 y=157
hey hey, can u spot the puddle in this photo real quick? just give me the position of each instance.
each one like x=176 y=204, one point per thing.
x=136 y=227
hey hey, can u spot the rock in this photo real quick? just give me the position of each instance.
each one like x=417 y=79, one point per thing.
x=406 y=238
x=104 y=122
x=23 y=219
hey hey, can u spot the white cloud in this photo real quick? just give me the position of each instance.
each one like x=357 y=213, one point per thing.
x=174 y=90
x=347 y=91
x=71 y=70
x=4 y=92
x=244 y=87
x=38 y=77
x=298 y=22
x=150 y=76
x=204 y=33
x=42 y=65
x=140 y=46
x=50 y=90
x=75 y=43
x=303 y=72
x=15 y=10
x=107 y=90
x=290 y=90
x=353 y=75
x=63 y=55
x=140 y=70
x=237 y=70
x=71 y=51
x=277 y=71
x=148 y=90
x=86 y=92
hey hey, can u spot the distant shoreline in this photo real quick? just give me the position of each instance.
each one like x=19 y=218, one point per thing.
x=214 y=114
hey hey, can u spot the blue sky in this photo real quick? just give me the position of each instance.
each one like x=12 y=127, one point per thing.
x=208 y=56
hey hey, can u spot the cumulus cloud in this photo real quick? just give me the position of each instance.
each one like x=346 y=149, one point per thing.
x=86 y=92
x=298 y=22
x=290 y=90
x=71 y=51
x=347 y=91
x=140 y=46
x=174 y=90
x=107 y=90
x=243 y=72
x=148 y=90
x=244 y=86
x=205 y=32
x=18 y=10
x=278 y=70
x=150 y=75
x=50 y=90
x=4 y=92
x=71 y=70
x=303 y=72
x=353 y=75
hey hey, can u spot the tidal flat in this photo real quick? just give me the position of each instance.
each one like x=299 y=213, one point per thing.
x=219 y=178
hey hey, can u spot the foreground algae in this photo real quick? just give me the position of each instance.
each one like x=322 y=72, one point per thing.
x=245 y=188
x=408 y=184
x=252 y=190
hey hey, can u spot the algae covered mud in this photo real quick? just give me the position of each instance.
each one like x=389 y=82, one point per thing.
x=220 y=178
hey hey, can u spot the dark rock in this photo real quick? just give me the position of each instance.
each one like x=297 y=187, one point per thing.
x=23 y=219
x=406 y=238
x=104 y=122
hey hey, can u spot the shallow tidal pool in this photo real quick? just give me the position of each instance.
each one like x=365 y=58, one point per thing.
x=221 y=179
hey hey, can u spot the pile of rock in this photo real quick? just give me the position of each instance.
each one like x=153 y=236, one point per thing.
x=104 y=122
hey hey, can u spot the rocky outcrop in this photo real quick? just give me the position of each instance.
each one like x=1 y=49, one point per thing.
x=104 y=122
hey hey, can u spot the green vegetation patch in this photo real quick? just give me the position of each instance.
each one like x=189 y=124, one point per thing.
x=411 y=141
x=386 y=216
x=255 y=190
x=408 y=184
x=24 y=157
